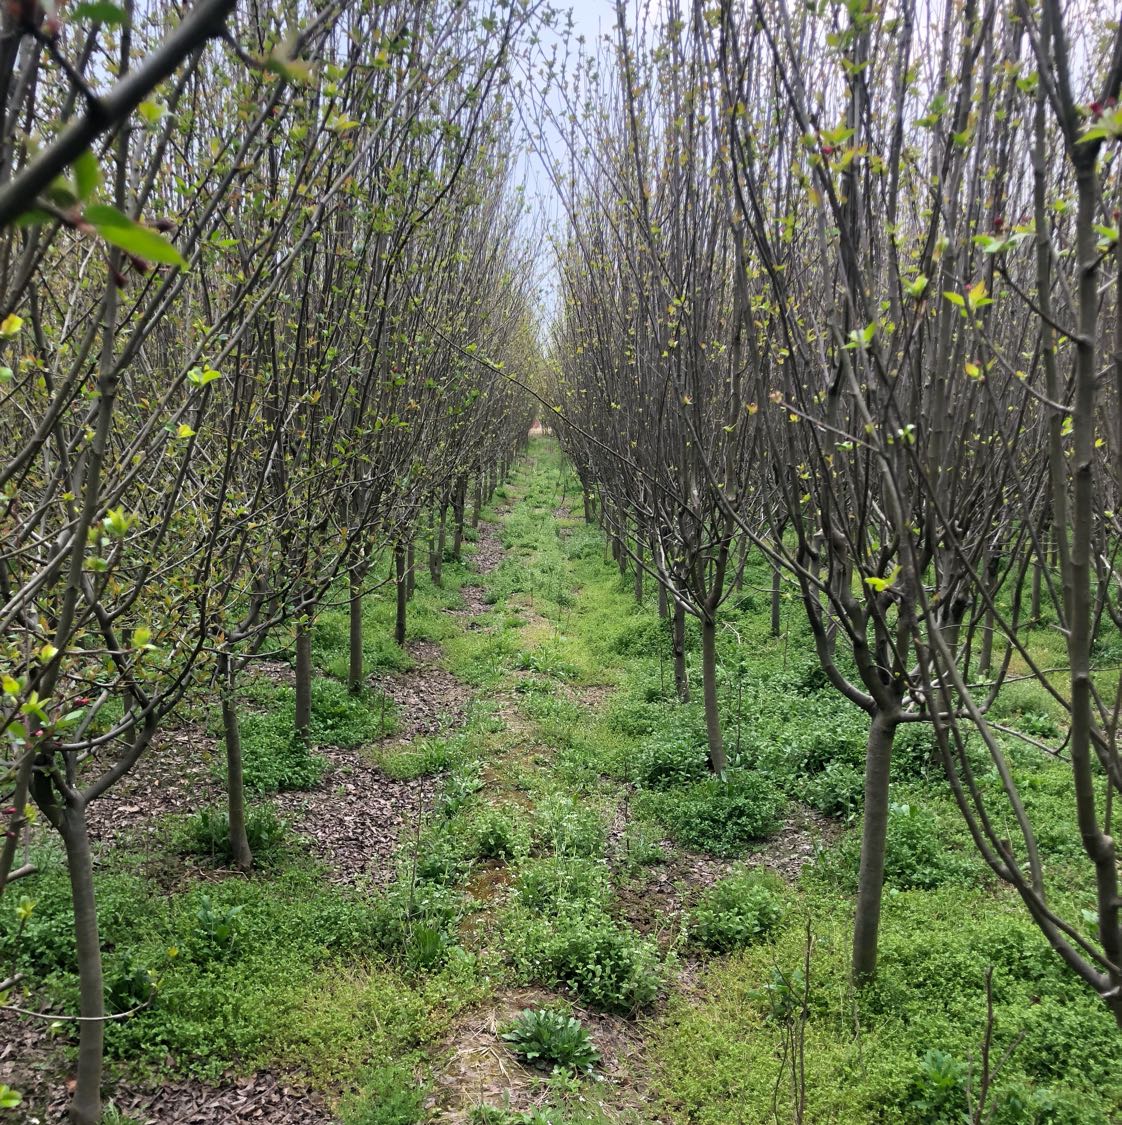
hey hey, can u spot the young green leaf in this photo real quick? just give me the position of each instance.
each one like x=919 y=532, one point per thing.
x=99 y=11
x=141 y=241
x=87 y=175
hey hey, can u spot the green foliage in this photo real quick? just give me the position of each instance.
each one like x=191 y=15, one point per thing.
x=940 y=1089
x=207 y=833
x=438 y=856
x=603 y=963
x=717 y=1058
x=641 y=637
x=496 y=832
x=422 y=758
x=216 y=929
x=556 y=884
x=274 y=757
x=568 y=827
x=416 y=924
x=111 y=1115
x=640 y=847
x=389 y=1095
x=919 y=852
x=837 y=791
x=544 y=1037
x=721 y=815
x=743 y=908
x=465 y=780
x=674 y=754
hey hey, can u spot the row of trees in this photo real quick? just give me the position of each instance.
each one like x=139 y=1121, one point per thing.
x=843 y=285
x=239 y=312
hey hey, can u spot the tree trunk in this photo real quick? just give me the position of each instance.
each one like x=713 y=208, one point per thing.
x=878 y=760
x=1037 y=576
x=436 y=557
x=639 y=571
x=459 y=502
x=587 y=505
x=742 y=564
x=303 y=677
x=235 y=779
x=477 y=501
x=985 y=657
x=434 y=562
x=401 y=580
x=85 y=1106
x=776 y=603
x=411 y=570
x=663 y=608
x=681 y=678
x=717 y=760
x=355 y=671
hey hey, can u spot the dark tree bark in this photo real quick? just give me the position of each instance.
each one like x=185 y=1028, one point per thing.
x=878 y=760
x=717 y=758
x=235 y=776
x=401 y=582
x=355 y=670
x=303 y=678
x=681 y=677
x=85 y=1107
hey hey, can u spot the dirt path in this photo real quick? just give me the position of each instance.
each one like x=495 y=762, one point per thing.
x=352 y=822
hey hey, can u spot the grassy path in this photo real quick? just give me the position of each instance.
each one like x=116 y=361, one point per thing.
x=516 y=815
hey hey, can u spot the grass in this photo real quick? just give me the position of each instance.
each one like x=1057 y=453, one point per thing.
x=575 y=789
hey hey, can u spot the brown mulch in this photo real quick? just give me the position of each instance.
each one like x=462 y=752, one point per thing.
x=481 y=1071
x=261 y=1097
x=356 y=818
x=655 y=901
x=488 y=551
x=428 y=698
x=172 y=776
x=32 y=1064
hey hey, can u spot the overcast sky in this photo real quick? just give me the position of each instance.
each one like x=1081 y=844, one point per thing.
x=591 y=19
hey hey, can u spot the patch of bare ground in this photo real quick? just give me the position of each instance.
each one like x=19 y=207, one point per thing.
x=262 y=1097
x=172 y=776
x=479 y=1070
x=488 y=551
x=356 y=817
x=33 y=1063
x=427 y=698
x=655 y=901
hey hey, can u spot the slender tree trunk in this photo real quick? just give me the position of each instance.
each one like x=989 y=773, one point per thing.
x=459 y=502
x=717 y=760
x=235 y=776
x=303 y=677
x=985 y=655
x=663 y=607
x=743 y=562
x=639 y=570
x=355 y=671
x=681 y=677
x=776 y=602
x=411 y=570
x=586 y=497
x=401 y=580
x=436 y=559
x=878 y=760
x=477 y=501
x=85 y=1106
x=1037 y=577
